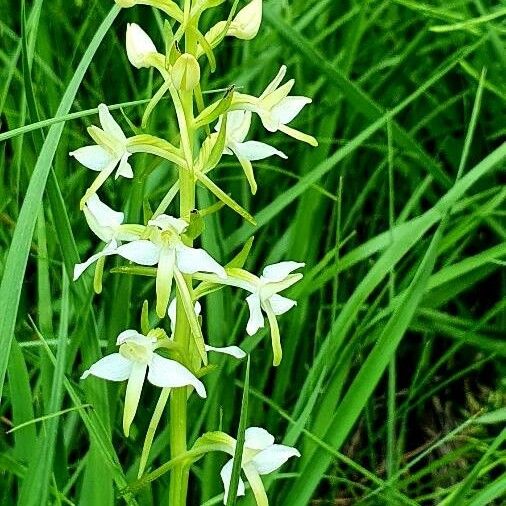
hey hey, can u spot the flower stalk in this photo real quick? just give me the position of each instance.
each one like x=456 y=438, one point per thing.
x=182 y=334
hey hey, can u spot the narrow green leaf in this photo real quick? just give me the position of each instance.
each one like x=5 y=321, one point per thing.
x=15 y=265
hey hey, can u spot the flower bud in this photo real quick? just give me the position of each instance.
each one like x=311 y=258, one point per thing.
x=139 y=46
x=247 y=22
x=186 y=72
x=126 y=3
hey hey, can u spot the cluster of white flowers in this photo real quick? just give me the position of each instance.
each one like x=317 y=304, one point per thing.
x=162 y=243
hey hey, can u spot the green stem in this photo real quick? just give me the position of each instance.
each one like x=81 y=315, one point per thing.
x=182 y=335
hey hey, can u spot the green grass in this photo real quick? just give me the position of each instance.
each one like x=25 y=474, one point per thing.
x=393 y=372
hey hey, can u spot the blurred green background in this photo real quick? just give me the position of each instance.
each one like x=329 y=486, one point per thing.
x=392 y=382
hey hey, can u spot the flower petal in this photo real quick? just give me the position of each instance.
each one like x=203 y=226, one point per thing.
x=191 y=260
x=166 y=373
x=141 y=252
x=256 y=318
x=257 y=438
x=109 y=123
x=289 y=108
x=280 y=305
x=93 y=157
x=112 y=367
x=273 y=458
x=278 y=272
x=131 y=335
x=233 y=351
x=254 y=150
x=166 y=222
x=133 y=394
x=226 y=476
x=275 y=82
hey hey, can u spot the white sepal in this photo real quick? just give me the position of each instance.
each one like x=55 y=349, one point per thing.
x=167 y=373
x=254 y=150
x=278 y=272
x=257 y=438
x=112 y=367
x=192 y=260
x=226 y=476
x=272 y=458
x=110 y=249
x=93 y=157
x=256 y=318
x=141 y=252
x=233 y=351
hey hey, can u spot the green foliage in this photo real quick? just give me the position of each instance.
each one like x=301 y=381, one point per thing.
x=392 y=379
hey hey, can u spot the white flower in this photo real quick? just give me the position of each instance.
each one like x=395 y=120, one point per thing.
x=260 y=456
x=136 y=356
x=238 y=125
x=244 y=26
x=109 y=152
x=165 y=249
x=233 y=351
x=276 y=108
x=139 y=46
x=107 y=225
x=247 y=22
x=265 y=296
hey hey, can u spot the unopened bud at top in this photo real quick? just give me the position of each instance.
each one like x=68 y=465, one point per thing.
x=247 y=22
x=139 y=46
x=186 y=72
x=126 y=3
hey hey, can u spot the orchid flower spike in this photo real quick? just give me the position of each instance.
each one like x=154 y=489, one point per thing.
x=136 y=356
x=107 y=225
x=233 y=351
x=165 y=248
x=238 y=125
x=260 y=456
x=139 y=46
x=276 y=108
x=265 y=296
x=109 y=152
